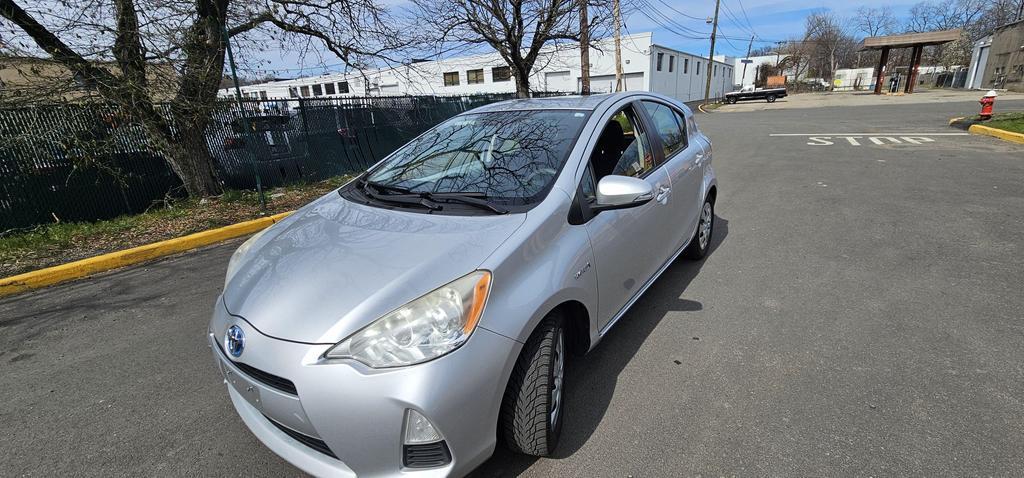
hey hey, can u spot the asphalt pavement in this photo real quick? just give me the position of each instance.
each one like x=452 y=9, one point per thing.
x=861 y=313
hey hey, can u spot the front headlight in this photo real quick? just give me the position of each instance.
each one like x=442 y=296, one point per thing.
x=242 y=250
x=421 y=330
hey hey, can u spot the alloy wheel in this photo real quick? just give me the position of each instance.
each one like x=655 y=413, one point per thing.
x=558 y=373
x=704 y=234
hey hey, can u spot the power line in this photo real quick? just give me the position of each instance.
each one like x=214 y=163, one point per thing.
x=734 y=20
x=745 y=17
x=670 y=7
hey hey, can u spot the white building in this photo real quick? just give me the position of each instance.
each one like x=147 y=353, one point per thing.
x=749 y=75
x=979 y=60
x=646 y=67
x=854 y=79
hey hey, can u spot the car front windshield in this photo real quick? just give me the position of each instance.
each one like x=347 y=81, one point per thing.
x=511 y=157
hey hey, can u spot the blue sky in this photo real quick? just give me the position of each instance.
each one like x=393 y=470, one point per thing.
x=676 y=24
x=769 y=20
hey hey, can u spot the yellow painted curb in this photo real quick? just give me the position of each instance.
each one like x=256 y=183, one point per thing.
x=997 y=133
x=113 y=260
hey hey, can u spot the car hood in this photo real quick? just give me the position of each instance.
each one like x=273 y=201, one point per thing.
x=335 y=266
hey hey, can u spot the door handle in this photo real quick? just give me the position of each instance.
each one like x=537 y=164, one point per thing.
x=663 y=193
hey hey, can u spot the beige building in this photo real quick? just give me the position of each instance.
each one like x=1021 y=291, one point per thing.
x=26 y=80
x=1005 y=65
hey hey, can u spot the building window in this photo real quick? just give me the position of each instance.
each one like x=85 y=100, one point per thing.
x=698 y=67
x=305 y=91
x=686 y=65
x=293 y=92
x=317 y=90
x=474 y=77
x=329 y=88
x=342 y=87
x=714 y=71
x=671 y=63
x=660 y=55
x=451 y=78
x=263 y=94
x=501 y=73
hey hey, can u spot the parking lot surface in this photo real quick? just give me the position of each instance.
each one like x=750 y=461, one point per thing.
x=861 y=314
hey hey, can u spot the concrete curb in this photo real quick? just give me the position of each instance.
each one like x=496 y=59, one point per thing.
x=113 y=260
x=996 y=133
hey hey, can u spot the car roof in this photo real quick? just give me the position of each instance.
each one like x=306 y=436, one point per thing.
x=574 y=102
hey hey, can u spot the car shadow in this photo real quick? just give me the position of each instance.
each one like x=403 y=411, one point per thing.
x=591 y=379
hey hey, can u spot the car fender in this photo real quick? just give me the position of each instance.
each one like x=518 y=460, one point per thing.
x=545 y=263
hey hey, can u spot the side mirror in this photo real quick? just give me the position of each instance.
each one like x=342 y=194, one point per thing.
x=621 y=192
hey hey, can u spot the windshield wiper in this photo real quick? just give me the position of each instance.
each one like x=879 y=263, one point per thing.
x=471 y=198
x=385 y=187
x=403 y=198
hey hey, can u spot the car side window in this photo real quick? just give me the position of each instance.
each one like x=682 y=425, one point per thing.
x=588 y=187
x=669 y=124
x=623 y=148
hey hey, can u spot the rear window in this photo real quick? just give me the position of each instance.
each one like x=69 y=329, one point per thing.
x=669 y=124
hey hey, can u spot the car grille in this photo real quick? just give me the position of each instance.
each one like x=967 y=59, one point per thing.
x=429 y=455
x=273 y=381
x=268 y=379
x=314 y=443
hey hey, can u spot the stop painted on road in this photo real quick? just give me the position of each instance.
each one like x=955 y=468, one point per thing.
x=866 y=139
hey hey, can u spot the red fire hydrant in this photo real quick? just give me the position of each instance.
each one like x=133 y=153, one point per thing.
x=987 y=103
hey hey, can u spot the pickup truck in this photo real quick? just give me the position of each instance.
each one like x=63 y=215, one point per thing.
x=747 y=93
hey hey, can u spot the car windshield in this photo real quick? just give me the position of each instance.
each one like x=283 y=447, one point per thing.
x=510 y=157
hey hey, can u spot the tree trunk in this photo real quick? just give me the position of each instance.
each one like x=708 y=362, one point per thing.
x=522 y=81
x=191 y=160
x=183 y=144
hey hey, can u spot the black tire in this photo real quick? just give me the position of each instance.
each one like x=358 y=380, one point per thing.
x=731 y=100
x=699 y=245
x=526 y=421
x=770 y=98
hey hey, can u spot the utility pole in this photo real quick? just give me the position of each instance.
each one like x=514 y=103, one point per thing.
x=711 y=55
x=241 y=111
x=1020 y=11
x=584 y=49
x=743 y=77
x=616 y=14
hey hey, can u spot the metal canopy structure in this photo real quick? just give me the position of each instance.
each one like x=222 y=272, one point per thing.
x=916 y=41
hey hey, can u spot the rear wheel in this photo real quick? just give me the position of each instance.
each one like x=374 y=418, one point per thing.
x=770 y=98
x=531 y=411
x=701 y=241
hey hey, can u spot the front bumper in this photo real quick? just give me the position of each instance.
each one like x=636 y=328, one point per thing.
x=358 y=412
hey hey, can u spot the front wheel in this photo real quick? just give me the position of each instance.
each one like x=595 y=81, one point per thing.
x=701 y=241
x=731 y=101
x=531 y=411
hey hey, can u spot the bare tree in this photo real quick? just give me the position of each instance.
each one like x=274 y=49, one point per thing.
x=831 y=42
x=874 y=22
x=519 y=31
x=976 y=18
x=122 y=51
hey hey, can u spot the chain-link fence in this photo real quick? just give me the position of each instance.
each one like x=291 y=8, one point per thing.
x=89 y=162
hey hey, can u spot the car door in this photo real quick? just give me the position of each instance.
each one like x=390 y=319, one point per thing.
x=682 y=163
x=629 y=245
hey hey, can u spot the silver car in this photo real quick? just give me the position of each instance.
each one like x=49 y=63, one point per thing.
x=407 y=322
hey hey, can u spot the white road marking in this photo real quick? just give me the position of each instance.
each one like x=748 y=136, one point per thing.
x=878 y=139
x=874 y=138
x=869 y=134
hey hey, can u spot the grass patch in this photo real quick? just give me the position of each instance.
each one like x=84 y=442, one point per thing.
x=52 y=244
x=1013 y=122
